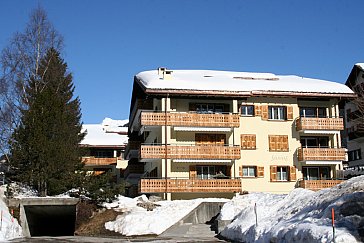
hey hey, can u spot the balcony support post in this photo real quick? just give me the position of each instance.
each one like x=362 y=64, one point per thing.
x=165 y=148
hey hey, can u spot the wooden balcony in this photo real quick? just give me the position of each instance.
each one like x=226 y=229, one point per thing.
x=189 y=185
x=321 y=154
x=316 y=185
x=189 y=152
x=98 y=161
x=313 y=123
x=189 y=119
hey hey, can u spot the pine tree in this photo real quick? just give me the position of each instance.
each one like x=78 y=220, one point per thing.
x=45 y=148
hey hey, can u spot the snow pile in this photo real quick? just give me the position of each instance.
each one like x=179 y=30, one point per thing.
x=138 y=221
x=9 y=226
x=19 y=190
x=301 y=216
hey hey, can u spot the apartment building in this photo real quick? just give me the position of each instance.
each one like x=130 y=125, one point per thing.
x=201 y=133
x=354 y=121
x=105 y=145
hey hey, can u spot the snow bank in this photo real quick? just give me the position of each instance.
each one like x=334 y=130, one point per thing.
x=301 y=216
x=138 y=221
x=9 y=226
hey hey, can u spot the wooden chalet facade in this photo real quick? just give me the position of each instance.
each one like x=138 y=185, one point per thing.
x=200 y=133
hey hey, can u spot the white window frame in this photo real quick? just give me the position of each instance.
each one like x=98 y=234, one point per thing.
x=244 y=110
x=249 y=169
x=280 y=173
x=279 y=111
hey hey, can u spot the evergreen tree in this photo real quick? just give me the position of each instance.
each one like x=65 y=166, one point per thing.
x=45 y=150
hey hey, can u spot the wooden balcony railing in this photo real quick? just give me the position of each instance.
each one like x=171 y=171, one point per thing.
x=189 y=119
x=189 y=185
x=190 y=152
x=99 y=161
x=313 y=123
x=316 y=185
x=322 y=154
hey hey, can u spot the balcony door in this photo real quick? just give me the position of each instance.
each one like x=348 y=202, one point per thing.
x=319 y=112
x=205 y=172
x=314 y=142
x=316 y=173
x=210 y=139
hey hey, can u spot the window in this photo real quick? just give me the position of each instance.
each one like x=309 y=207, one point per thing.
x=282 y=173
x=249 y=171
x=247 y=110
x=248 y=141
x=316 y=173
x=102 y=153
x=319 y=112
x=278 y=143
x=209 y=108
x=354 y=155
x=314 y=142
x=277 y=113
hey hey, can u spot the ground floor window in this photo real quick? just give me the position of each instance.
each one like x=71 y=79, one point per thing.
x=316 y=172
x=211 y=171
x=282 y=173
x=249 y=171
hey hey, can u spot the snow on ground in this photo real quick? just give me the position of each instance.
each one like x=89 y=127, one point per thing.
x=9 y=226
x=138 y=221
x=301 y=216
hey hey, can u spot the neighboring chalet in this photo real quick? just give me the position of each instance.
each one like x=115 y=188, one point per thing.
x=199 y=133
x=105 y=145
x=355 y=121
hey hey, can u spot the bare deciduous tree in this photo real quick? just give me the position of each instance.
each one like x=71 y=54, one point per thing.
x=19 y=62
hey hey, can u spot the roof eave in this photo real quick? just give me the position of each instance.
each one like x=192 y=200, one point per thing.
x=246 y=93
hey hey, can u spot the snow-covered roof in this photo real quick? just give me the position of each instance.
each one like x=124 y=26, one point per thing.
x=226 y=81
x=360 y=65
x=109 y=133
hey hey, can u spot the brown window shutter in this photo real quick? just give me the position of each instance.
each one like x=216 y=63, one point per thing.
x=260 y=171
x=243 y=141
x=193 y=172
x=285 y=146
x=272 y=142
x=264 y=112
x=257 y=110
x=254 y=141
x=290 y=112
x=240 y=171
x=292 y=173
x=248 y=141
x=273 y=173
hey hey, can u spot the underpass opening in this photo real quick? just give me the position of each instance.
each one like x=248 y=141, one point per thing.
x=51 y=220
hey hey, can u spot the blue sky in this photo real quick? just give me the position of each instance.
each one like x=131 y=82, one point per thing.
x=108 y=42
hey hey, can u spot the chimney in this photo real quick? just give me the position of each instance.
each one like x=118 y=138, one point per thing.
x=164 y=74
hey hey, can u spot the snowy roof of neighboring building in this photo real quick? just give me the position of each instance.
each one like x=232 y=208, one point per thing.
x=239 y=82
x=360 y=65
x=109 y=133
